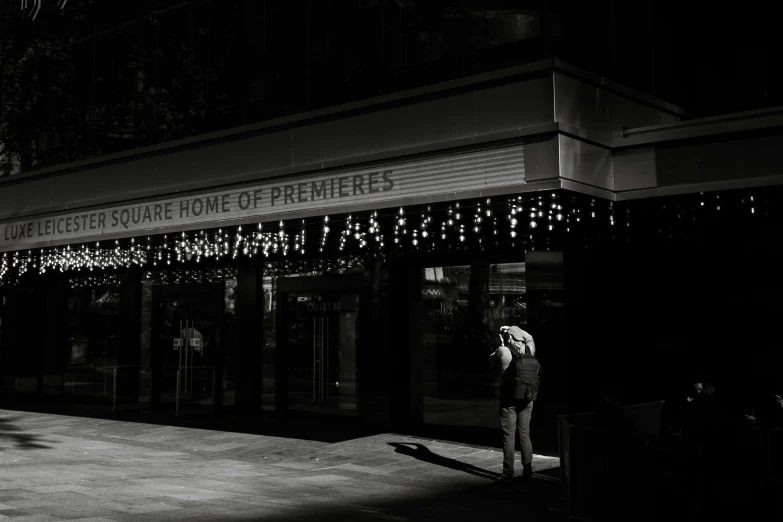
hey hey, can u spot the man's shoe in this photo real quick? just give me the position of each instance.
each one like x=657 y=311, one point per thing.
x=505 y=477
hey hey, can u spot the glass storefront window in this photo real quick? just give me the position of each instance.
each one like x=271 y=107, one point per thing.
x=463 y=308
x=3 y=343
x=23 y=333
x=189 y=336
x=231 y=336
x=145 y=73
x=269 y=346
x=272 y=272
x=93 y=337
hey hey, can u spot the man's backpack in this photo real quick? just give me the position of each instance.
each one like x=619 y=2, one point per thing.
x=522 y=378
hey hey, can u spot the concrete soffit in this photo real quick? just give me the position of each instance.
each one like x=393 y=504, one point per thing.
x=704 y=127
x=716 y=186
x=726 y=152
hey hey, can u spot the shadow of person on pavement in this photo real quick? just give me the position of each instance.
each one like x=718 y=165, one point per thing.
x=421 y=452
x=20 y=439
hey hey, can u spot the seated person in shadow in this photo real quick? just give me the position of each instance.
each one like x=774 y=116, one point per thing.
x=701 y=414
x=423 y=453
x=706 y=426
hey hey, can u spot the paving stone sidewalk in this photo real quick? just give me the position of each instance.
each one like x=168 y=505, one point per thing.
x=55 y=467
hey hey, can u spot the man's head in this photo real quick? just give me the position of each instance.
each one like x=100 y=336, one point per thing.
x=701 y=387
x=517 y=338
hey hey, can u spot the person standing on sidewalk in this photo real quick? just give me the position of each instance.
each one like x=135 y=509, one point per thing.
x=518 y=390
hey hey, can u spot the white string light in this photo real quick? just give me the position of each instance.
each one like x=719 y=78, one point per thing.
x=375 y=229
x=346 y=232
x=400 y=228
x=478 y=218
x=3 y=265
x=302 y=236
x=324 y=233
x=511 y=217
x=359 y=233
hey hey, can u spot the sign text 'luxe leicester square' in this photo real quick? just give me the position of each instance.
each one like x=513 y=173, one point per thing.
x=273 y=199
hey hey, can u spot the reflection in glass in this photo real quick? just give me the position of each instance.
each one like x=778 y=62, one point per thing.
x=145 y=73
x=189 y=334
x=269 y=344
x=272 y=272
x=463 y=308
x=93 y=334
x=321 y=346
x=230 y=342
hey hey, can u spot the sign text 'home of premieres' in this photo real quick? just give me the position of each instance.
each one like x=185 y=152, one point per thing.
x=153 y=215
x=471 y=172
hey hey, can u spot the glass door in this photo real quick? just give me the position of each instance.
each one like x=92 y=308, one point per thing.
x=185 y=360
x=321 y=342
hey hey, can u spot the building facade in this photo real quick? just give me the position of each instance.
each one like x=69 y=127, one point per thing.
x=355 y=262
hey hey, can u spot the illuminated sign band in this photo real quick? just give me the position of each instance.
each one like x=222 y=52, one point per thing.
x=473 y=171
